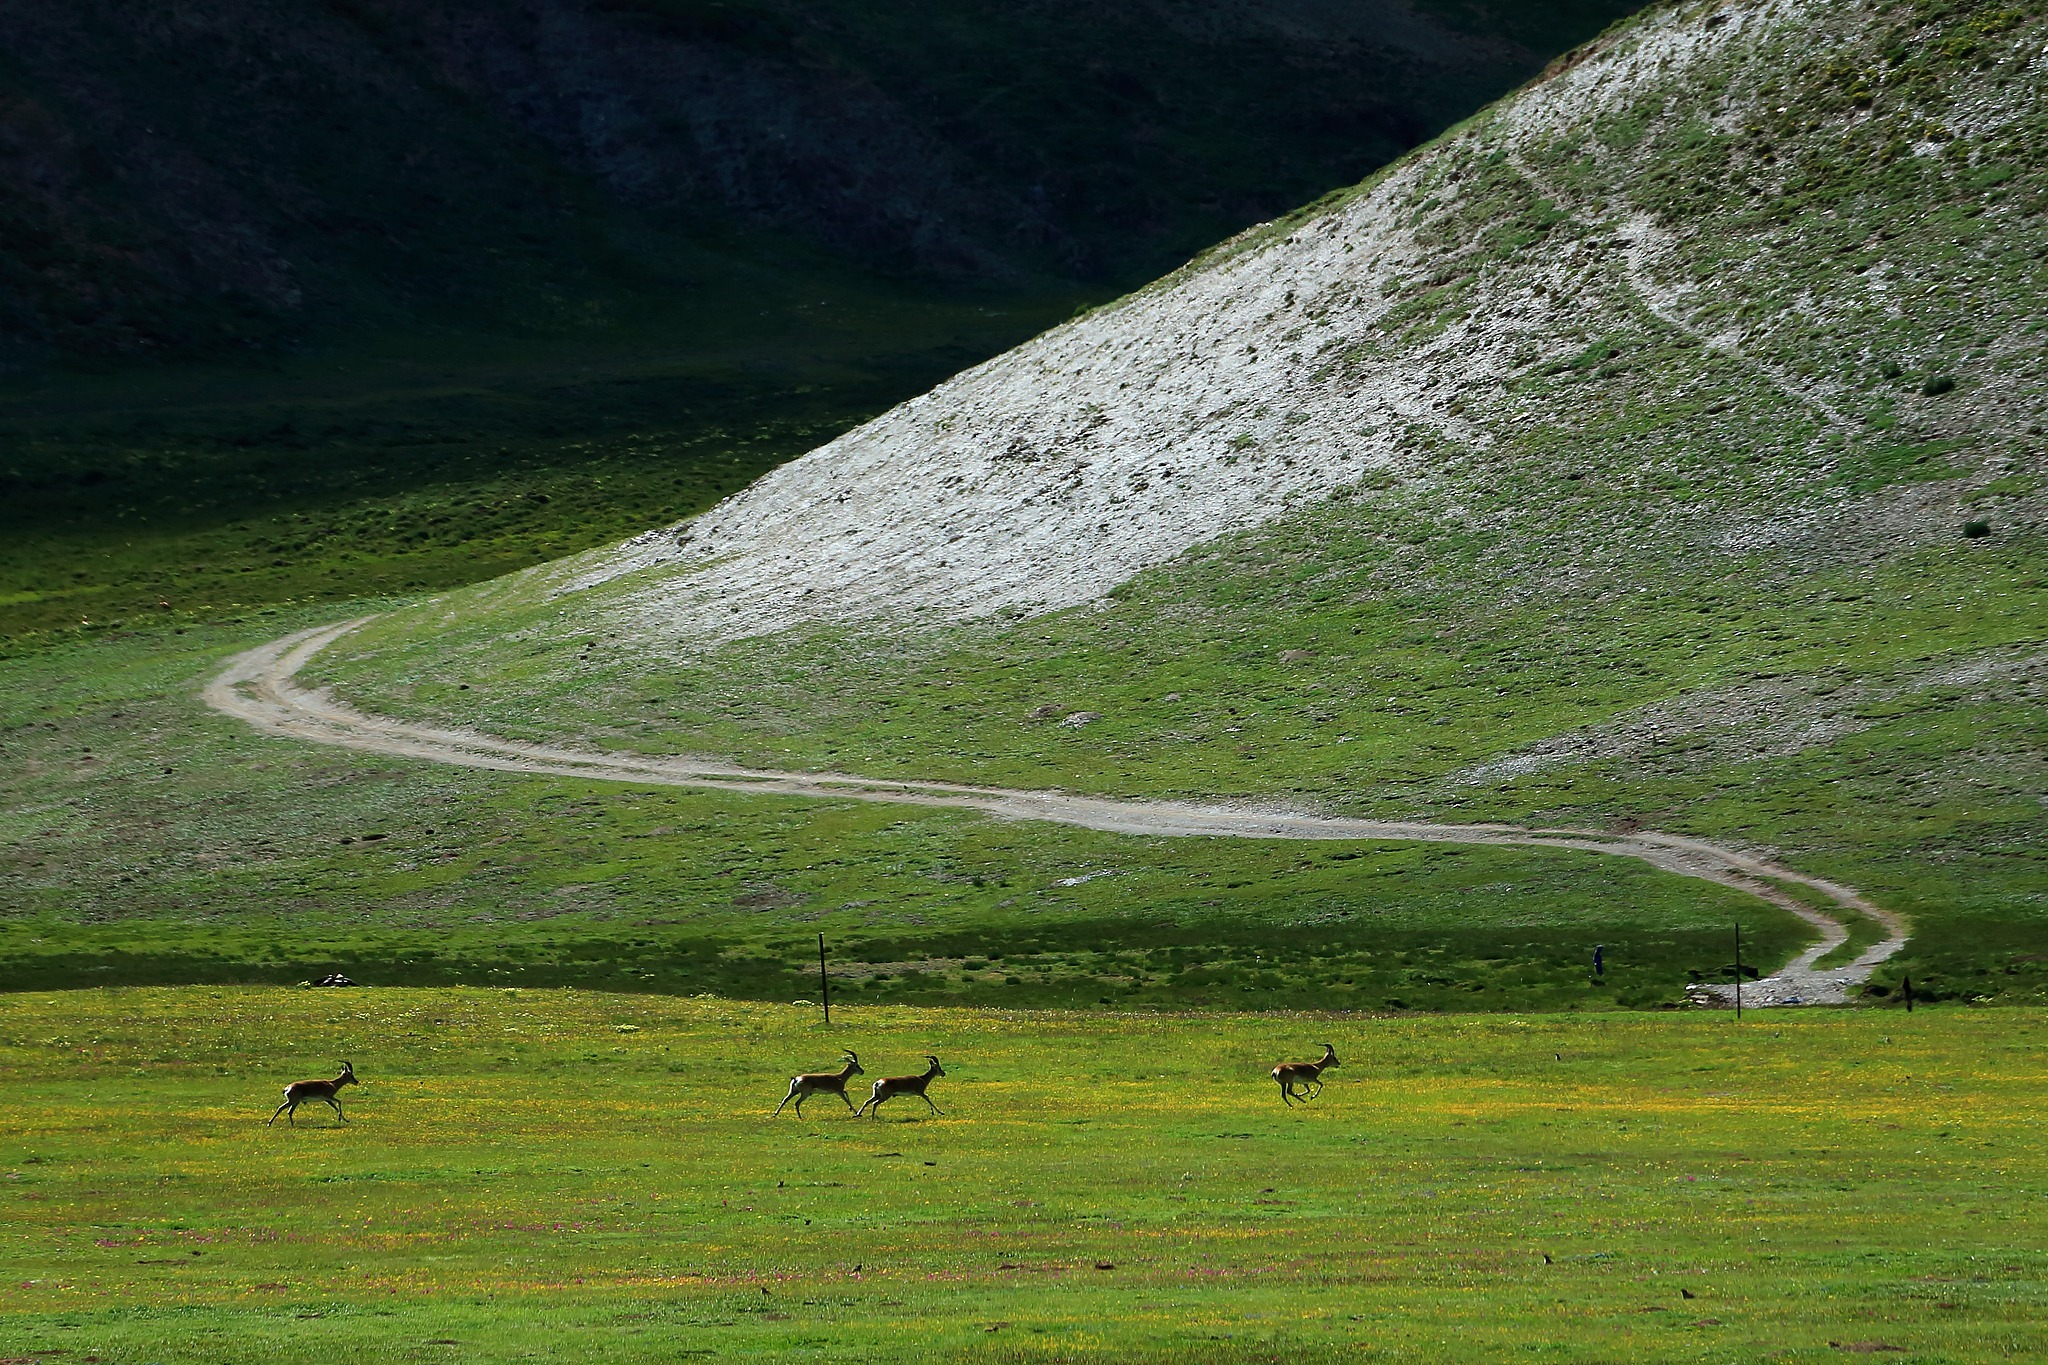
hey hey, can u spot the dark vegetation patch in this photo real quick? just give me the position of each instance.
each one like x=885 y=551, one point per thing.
x=186 y=513
x=1129 y=963
x=274 y=172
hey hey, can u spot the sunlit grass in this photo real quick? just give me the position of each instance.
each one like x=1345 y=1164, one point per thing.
x=592 y=1176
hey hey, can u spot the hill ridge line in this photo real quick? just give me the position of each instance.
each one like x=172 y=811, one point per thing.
x=260 y=688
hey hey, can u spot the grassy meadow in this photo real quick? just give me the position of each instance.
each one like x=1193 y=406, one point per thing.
x=1877 y=722
x=1677 y=601
x=147 y=840
x=587 y=1176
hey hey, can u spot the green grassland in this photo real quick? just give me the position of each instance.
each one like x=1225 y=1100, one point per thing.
x=1908 y=695
x=144 y=839
x=590 y=1176
x=1792 y=597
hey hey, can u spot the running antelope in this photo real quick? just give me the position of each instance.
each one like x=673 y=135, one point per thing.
x=1292 y=1074
x=889 y=1087
x=811 y=1083
x=299 y=1092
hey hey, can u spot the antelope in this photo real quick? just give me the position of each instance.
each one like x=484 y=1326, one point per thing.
x=1292 y=1074
x=889 y=1087
x=298 y=1092
x=809 y=1083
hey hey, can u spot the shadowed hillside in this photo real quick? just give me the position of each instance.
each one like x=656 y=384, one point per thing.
x=233 y=174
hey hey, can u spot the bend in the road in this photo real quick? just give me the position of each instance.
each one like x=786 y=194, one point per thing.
x=261 y=688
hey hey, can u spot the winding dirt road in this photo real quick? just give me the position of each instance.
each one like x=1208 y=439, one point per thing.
x=261 y=688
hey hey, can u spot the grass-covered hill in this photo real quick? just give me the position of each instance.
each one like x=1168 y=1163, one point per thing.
x=1662 y=446
x=304 y=301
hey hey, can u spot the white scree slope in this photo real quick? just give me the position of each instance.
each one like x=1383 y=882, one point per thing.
x=1045 y=477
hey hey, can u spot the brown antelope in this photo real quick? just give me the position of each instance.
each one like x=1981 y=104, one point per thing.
x=298 y=1092
x=1292 y=1074
x=810 y=1083
x=889 y=1087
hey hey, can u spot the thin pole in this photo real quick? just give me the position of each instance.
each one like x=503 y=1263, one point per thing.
x=1738 y=971
x=824 y=982
x=1907 y=982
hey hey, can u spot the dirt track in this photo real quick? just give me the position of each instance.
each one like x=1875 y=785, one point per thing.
x=260 y=687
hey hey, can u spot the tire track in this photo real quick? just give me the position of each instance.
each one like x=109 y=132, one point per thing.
x=260 y=687
x=1639 y=235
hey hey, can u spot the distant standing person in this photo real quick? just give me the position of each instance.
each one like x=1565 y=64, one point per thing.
x=1600 y=960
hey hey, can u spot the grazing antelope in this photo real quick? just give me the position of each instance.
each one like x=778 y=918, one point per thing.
x=1292 y=1074
x=889 y=1087
x=810 y=1083
x=298 y=1092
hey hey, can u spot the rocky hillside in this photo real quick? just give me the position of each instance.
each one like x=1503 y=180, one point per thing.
x=1664 y=445
x=1642 y=277
x=243 y=173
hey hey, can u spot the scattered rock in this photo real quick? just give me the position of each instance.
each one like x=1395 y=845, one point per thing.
x=1295 y=656
x=1080 y=718
x=1045 y=712
x=334 y=979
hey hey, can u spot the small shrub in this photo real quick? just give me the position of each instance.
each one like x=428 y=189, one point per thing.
x=1937 y=386
x=1976 y=530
